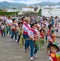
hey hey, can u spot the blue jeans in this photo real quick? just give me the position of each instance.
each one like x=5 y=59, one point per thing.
x=33 y=48
x=14 y=34
x=8 y=30
x=3 y=33
x=26 y=41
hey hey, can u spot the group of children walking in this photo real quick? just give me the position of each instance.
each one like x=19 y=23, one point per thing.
x=32 y=35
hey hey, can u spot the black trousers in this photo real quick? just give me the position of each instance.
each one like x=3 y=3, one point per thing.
x=19 y=38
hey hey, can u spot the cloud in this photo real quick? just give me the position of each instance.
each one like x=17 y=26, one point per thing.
x=22 y=1
x=7 y=0
x=29 y=1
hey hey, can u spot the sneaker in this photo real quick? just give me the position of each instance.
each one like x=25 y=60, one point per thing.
x=31 y=58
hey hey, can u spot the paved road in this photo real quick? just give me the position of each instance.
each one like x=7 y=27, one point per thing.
x=58 y=34
x=10 y=51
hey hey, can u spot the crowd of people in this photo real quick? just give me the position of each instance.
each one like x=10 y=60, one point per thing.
x=32 y=32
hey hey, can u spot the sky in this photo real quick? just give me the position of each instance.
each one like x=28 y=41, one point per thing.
x=30 y=1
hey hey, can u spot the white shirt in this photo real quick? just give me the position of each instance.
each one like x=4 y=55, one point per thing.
x=1 y=17
x=25 y=28
x=47 y=24
x=37 y=33
x=30 y=33
x=14 y=25
x=8 y=21
x=2 y=26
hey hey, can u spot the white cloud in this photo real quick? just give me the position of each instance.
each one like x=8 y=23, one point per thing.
x=22 y=1
x=7 y=0
x=29 y=1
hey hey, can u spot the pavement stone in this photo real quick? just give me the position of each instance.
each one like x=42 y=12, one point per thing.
x=10 y=51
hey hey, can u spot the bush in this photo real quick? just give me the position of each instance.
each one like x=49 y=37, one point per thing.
x=40 y=12
x=8 y=13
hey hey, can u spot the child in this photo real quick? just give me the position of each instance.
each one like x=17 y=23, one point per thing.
x=33 y=38
x=42 y=36
x=54 y=49
x=49 y=37
x=14 y=29
x=53 y=36
x=9 y=25
x=3 y=28
x=19 y=31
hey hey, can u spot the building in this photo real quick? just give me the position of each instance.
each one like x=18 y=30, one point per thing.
x=51 y=12
x=13 y=10
x=27 y=9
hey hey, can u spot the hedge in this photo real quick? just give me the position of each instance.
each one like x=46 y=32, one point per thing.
x=8 y=13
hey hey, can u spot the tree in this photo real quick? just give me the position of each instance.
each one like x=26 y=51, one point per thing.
x=35 y=9
x=40 y=12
